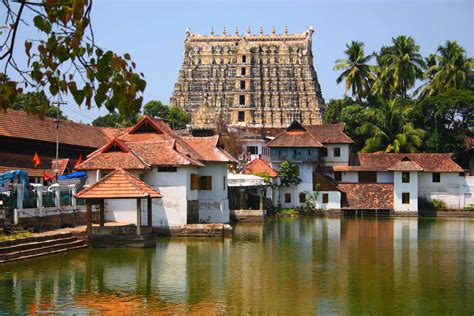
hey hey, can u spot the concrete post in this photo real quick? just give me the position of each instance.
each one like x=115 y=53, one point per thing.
x=242 y=199
x=139 y=217
x=89 y=218
x=73 y=198
x=19 y=196
x=101 y=213
x=57 y=197
x=150 y=214
x=261 y=205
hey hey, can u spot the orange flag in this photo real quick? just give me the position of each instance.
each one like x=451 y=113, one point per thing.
x=36 y=160
x=79 y=161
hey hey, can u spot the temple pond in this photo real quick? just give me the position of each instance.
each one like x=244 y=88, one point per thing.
x=297 y=266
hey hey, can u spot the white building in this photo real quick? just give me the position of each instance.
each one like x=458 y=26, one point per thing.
x=189 y=172
x=365 y=181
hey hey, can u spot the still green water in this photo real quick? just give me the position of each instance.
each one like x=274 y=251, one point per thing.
x=301 y=266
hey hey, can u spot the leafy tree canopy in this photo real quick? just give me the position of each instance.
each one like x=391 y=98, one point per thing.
x=65 y=58
x=288 y=174
x=37 y=103
x=174 y=116
x=116 y=120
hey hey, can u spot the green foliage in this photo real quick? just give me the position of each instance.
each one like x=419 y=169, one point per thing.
x=288 y=212
x=469 y=207
x=311 y=205
x=174 y=116
x=65 y=59
x=265 y=175
x=439 y=205
x=388 y=128
x=36 y=103
x=357 y=73
x=116 y=120
x=288 y=175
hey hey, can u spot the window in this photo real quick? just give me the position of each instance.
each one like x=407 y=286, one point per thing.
x=436 y=177
x=295 y=152
x=244 y=59
x=309 y=152
x=296 y=169
x=324 y=152
x=242 y=99
x=325 y=198
x=205 y=183
x=243 y=71
x=338 y=176
x=405 y=177
x=242 y=84
x=241 y=117
x=167 y=169
x=302 y=197
x=337 y=152
x=405 y=198
x=252 y=150
x=194 y=181
x=367 y=176
x=224 y=184
x=287 y=197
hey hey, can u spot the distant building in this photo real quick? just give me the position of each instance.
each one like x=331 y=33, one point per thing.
x=252 y=80
x=189 y=172
x=364 y=181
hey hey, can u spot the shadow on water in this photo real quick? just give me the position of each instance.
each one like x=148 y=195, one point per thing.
x=303 y=266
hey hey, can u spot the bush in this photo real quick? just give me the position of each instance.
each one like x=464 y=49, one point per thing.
x=469 y=207
x=287 y=212
x=439 y=205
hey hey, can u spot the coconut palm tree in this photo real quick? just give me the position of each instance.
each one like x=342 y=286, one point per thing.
x=400 y=65
x=389 y=130
x=357 y=73
x=451 y=69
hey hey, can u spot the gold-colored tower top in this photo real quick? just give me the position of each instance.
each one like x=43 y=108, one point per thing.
x=252 y=80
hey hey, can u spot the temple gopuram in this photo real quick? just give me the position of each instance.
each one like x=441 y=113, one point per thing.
x=249 y=80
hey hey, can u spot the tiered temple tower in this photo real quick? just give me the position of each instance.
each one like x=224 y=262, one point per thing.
x=251 y=80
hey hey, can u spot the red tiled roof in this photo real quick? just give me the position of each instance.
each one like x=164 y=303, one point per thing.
x=406 y=165
x=19 y=124
x=119 y=184
x=366 y=196
x=294 y=136
x=9 y=161
x=208 y=148
x=324 y=183
x=260 y=167
x=329 y=133
x=429 y=162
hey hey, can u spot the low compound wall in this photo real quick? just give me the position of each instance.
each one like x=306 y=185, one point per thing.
x=247 y=215
x=50 y=218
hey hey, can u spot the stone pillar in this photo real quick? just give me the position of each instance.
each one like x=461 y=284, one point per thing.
x=139 y=217
x=73 y=197
x=101 y=213
x=261 y=193
x=150 y=214
x=57 y=197
x=89 y=217
x=242 y=199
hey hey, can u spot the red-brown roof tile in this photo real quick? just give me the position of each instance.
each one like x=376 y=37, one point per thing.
x=9 y=161
x=429 y=162
x=294 y=136
x=119 y=184
x=19 y=124
x=406 y=165
x=208 y=148
x=329 y=133
x=260 y=167
x=366 y=196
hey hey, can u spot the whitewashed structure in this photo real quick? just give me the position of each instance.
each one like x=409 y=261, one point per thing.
x=189 y=172
x=365 y=181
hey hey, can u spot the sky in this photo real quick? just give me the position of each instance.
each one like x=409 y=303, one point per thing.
x=153 y=32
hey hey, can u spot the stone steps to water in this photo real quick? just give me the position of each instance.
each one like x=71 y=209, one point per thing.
x=39 y=246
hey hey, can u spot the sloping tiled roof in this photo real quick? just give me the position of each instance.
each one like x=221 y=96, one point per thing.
x=208 y=148
x=294 y=136
x=119 y=184
x=366 y=196
x=19 y=124
x=260 y=167
x=429 y=162
x=324 y=183
x=406 y=165
x=329 y=133
x=469 y=142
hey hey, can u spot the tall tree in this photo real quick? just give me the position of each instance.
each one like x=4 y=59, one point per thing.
x=356 y=71
x=114 y=119
x=389 y=130
x=37 y=103
x=449 y=69
x=400 y=65
x=174 y=116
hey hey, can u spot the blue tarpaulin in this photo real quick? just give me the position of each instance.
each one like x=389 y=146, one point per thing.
x=73 y=175
x=22 y=178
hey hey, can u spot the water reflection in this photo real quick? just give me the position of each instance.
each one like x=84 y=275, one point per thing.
x=304 y=266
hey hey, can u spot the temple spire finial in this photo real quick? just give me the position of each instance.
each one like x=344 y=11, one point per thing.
x=236 y=31
x=212 y=31
x=261 y=30
x=248 y=30
x=286 y=30
x=225 y=31
x=274 y=31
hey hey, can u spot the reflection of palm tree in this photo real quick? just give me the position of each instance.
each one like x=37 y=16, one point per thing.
x=357 y=72
x=388 y=129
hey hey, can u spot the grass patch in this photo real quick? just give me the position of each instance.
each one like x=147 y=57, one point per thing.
x=288 y=212
x=15 y=236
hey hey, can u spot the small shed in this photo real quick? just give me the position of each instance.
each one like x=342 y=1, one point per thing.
x=119 y=184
